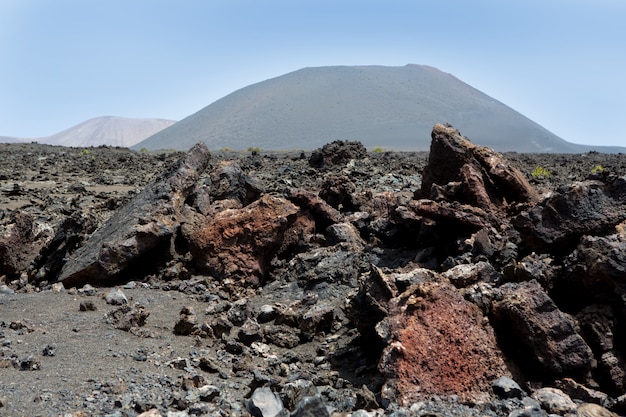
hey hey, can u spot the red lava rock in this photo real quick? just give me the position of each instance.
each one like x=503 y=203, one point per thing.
x=439 y=345
x=240 y=243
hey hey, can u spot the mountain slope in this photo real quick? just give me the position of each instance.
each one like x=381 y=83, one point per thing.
x=391 y=107
x=108 y=130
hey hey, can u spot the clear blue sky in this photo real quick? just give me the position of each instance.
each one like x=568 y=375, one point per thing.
x=562 y=63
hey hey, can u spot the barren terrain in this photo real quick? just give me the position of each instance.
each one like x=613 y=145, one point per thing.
x=201 y=343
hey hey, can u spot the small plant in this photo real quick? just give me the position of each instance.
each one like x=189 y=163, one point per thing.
x=598 y=169
x=86 y=151
x=143 y=150
x=540 y=173
x=226 y=149
x=378 y=149
x=254 y=150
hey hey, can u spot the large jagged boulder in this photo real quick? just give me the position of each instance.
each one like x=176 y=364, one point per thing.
x=139 y=232
x=539 y=336
x=461 y=170
x=240 y=243
x=438 y=344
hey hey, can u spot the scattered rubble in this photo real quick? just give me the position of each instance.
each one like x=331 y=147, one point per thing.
x=346 y=284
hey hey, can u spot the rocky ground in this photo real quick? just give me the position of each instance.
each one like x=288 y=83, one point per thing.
x=459 y=282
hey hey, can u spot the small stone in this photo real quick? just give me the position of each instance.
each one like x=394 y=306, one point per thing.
x=140 y=356
x=208 y=392
x=187 y=322
x=87 y=305
x=504 y=387
x=311 y=407
x=267 y=313
x=130 y=285
x=554 y=401
x=116 y=297
x=4 y=289
x=87 y=289
x=294 y=392
x=49 y=350
x=29 y=364
x=264 y=403
x=58 y=287
x=249 y=332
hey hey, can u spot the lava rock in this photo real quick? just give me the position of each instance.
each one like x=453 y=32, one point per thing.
x=240 y=243
x=264 y=403
x=146 y=224
x=526 y=318
x=116 y=297
x=439 y=345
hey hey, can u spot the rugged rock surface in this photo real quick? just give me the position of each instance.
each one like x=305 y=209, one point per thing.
x=346 y=284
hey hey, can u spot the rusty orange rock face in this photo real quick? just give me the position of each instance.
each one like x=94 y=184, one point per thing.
x=439 y=345
x=240 y=243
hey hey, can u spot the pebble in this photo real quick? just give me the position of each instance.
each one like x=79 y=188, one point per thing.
x=87 y=305
x=87 y=289
x=116 y=297
x=4 y=289
x=504 y=387
x=264 y=403
x=49 y=350
x=554 y=401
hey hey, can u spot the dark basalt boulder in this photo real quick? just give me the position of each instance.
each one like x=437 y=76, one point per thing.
x=337 y=153
x=140 y=232
x=558 y=222
x=537 y=333
x=460 y=170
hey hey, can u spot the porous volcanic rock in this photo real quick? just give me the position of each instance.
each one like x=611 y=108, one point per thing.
x=438 y=345
x=240 y=243
x=558 y=222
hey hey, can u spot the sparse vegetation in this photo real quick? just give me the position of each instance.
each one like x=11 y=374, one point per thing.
x=143 y=150
x=378 y=149
x=86 y=151
x=598 y=169
x=227 y=149
x=254 y=150
x=540 y=173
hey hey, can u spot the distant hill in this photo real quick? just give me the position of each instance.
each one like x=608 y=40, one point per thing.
x=108 y=130
x=390 y=107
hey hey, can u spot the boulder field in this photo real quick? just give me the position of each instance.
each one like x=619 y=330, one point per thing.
x=458 y=282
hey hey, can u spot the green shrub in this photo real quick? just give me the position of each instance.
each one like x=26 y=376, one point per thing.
x=540 y=173
x=598 y=169
x=378 y=149
x=254 y=149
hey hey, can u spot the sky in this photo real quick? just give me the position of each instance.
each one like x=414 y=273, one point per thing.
x=561 y=63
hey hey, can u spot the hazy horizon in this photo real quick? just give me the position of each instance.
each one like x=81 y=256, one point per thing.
x=557 y=63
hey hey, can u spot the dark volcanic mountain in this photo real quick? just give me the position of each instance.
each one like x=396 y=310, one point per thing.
x=108 y=130
x=388 y=107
